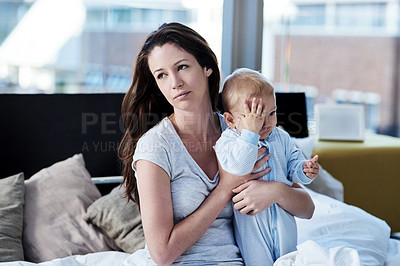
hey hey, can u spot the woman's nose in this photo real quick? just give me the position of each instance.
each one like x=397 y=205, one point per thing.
x=176 y=81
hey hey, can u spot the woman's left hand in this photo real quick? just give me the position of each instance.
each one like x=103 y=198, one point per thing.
x=255 y=196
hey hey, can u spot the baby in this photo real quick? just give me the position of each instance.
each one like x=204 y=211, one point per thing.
x=250 y=112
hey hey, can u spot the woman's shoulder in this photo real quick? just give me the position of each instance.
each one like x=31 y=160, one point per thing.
x=157 y=141
x=155 y=146
x=162 y=132
x=162 y=127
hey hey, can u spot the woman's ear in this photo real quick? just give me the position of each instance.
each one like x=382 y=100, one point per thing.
x=209 y=71
x=229 y=119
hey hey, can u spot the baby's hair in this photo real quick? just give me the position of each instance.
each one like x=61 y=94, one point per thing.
x=244 y=83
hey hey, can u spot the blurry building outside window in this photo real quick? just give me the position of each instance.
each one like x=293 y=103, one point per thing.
x=88 y=46
x=361 y=15
x=310 y=15
x=337 y=52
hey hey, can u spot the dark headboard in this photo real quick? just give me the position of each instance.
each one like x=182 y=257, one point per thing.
x=38 y=130
x=292 y=113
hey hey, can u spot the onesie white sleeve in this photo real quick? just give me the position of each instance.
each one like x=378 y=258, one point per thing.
x=237 y=153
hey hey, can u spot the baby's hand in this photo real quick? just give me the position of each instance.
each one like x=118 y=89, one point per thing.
x=253 y=119
x=311 y=168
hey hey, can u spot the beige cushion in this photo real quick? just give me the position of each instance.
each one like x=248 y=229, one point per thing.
x=119 y=219
x=56 y=199
x=12 y=191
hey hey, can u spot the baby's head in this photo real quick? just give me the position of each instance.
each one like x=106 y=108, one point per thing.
x=245 y=84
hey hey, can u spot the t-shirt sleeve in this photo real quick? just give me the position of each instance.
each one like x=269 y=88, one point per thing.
x=153 y=148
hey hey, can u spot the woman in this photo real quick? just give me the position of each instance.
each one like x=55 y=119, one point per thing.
x=172 y=170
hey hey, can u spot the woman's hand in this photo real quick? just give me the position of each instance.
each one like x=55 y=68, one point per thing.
x=257 y=195
x=254 y=196
x=229 y=181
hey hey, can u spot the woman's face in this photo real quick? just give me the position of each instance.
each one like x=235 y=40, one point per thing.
x=181 y=79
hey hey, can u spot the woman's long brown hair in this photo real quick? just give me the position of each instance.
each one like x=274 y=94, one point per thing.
x=144 y=105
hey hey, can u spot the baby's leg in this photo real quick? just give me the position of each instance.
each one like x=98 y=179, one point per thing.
x=254 y=238
x=285 y=235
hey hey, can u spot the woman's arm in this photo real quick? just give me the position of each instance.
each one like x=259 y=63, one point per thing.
x=255 y=196
x=166 y=241
x=296 y=201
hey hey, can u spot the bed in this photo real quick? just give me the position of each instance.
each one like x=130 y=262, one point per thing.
x=61 y=202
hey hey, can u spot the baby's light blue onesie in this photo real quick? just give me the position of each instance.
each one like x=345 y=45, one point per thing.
x=266 y=236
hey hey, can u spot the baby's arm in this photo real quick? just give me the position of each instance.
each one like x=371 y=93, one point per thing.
x=296 y=162
x=237 y=154
x=311 y=168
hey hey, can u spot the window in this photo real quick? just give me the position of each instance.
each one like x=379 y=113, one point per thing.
x=88 y=45
x=352 y=58
x=311 y=15
x=10 y=13
x=361 y=15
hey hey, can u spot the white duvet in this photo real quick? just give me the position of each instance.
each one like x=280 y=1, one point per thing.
x=310 y=253
x=337 y=233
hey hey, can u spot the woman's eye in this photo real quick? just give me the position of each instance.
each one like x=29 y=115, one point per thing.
x=160 y=76
x=181 y=67
x=272 y=113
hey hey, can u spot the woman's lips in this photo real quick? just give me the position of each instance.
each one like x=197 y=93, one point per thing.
x=182 y=95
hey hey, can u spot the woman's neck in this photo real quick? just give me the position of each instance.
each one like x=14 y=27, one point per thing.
x=198 y=125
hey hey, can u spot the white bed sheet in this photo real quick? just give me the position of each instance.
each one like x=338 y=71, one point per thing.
x=334 y=224
x=393 y=255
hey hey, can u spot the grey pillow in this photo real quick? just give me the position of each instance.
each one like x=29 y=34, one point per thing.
x=56 y=198
x=12 y=191
x=119 y=219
